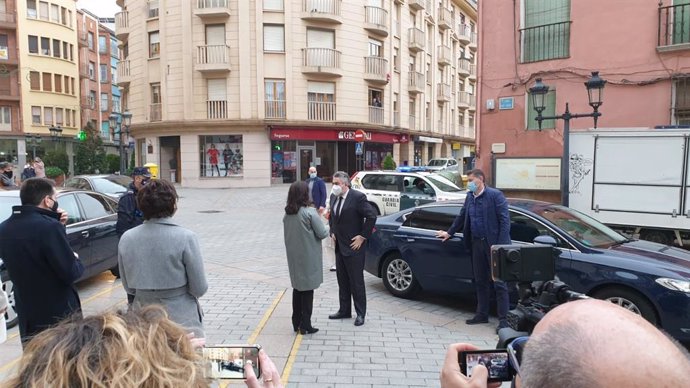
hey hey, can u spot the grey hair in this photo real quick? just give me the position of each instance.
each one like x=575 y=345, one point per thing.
x=562 y=357
x=344 y=178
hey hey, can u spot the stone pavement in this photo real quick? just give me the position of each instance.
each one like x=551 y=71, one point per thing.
x=402 y=343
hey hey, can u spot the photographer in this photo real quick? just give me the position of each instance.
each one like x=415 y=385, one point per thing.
x=587 y=343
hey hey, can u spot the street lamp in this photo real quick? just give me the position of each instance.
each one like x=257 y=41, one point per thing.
x=55 y=132
x=595 y=92
x=34 y=140
x=126 y=121
x=117 y=121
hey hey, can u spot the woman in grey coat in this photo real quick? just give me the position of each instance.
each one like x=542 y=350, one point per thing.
x=160 y=261
x=303 y=230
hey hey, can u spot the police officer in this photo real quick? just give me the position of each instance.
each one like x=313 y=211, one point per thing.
x=128 y=213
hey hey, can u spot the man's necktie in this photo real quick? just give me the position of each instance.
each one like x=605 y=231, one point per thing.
x=339 y=206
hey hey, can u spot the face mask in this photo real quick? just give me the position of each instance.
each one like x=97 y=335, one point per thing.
x=312 y=175
x=8 y=174
x=337 y=190
x=55 y=206
x=472 y=187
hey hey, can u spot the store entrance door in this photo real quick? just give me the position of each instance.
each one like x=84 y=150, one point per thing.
x=306 y=160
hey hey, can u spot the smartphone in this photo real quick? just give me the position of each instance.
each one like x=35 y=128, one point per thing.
x=495 y=360
x=227 y=362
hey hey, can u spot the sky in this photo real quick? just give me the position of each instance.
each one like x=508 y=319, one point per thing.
x=101 y=8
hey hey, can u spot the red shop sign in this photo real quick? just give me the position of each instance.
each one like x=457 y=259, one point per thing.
x=335 y=135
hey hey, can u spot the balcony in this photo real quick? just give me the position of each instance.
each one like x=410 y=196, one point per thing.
x=473 y=102
x=444 y=55
x=674 y=28
x=376 y=70
x=464 y=33
x=215 y=109
x=443 y=92
x=84 y=70
x=416 y=4
x=416 y=39
x=473 y=72
x=87 y=103
x=9 y=93
x=375 y=115
x=473 y=41
x=275 y=109
x=446 y=18
x=213 y=59
x=324 y=11
x=212 y=9
x=464 y=67
x=83 y=39
x=320 y=111
x=549 y=41
x=415 y=82
x=321 y=61
x=155 y=112
x=463 y=100
x=122 y=25
x=412 y=122
x=376 y=20
x=8 y=20
x=123 y=75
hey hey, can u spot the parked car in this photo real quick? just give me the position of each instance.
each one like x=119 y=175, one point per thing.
x=111 y=185
x=442 y=164
x=90 y=231
x=389 y=191
x=647 y=278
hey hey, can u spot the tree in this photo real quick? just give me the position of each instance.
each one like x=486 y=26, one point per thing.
x=89 y=157
x=57 y=158
x=388 y=162
x=112 y=163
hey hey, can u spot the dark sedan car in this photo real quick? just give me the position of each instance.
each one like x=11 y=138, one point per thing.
x=650 y=279
x=90 y=231
x=111 y=185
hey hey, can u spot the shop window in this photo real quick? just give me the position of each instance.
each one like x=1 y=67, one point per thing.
x=221 y=155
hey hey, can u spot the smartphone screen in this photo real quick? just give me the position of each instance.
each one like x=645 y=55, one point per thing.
x=227 y=362
x=495 y=361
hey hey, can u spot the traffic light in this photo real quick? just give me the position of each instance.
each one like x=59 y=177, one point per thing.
x=81 y=135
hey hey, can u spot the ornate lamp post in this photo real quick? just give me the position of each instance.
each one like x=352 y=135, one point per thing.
x=595 y=91
x=117 y=121
x=33 y=140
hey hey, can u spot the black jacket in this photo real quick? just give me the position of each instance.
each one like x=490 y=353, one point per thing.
x=42 y=266
x=128 y=213
x=357 y=217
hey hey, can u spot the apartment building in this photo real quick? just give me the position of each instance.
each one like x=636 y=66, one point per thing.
x=10 y=96
x=562 y=42
x=228 y=93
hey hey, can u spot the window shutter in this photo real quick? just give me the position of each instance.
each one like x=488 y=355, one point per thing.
x=274 y=38
x=321 y=87
x=215 y=34
x=320 y=39
x=216 y=89
x=273 y=5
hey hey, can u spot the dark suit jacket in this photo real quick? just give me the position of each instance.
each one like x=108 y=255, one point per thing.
x=496 y=217
x=42 y=266
x=357 y=217
x=318 y=192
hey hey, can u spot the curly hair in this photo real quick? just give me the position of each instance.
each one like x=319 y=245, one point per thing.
x=141 y=348
x=298 y=196
x=157 y=199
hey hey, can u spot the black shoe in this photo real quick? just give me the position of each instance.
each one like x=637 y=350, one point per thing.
x=339 y=315
x=359 y=321
x=308 y=331
x=477 y=320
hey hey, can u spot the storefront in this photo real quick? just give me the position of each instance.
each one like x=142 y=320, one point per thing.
x=294 y=150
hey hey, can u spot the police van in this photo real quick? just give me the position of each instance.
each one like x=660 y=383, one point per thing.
x=389 y=191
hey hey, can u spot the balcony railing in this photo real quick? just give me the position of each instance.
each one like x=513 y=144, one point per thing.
x=322 y=10
x=212 y=8
x=446 y=18
x=205 y=4
x=7 y=18
x=213 y=57
x=320 y=60
x=549 y=41
x=275 y=109
x=155 y=112
x=674 y=25
x=216 y=109
x=123 y=70
x=416 y=82
x=122 y=19
x=463 y=99
x=376 y=19
x=321 y=111
x=443 y=92
x=412 y=122
x=153 y=8
x=416 y=39
x=464 y=33
x=464 y=66
x=444 y=55
x=376 y=69
x=375 y=115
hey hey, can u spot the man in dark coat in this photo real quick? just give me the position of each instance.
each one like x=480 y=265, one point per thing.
x=351 y=224
x=39 y=259
x=317 y=190
x=485 y=221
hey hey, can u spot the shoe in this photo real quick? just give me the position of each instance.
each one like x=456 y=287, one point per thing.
x=332 y=269
x=339 y=315
x=308 y=331
x=477 y=320
x=359 y=321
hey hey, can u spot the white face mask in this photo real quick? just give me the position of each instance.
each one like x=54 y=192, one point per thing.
x=337 y=191
x=312 y=175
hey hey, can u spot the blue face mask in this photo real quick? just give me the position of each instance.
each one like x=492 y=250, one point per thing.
x=472 y=187
x=312 y=175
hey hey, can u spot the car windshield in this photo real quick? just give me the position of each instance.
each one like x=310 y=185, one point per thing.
x=6 y=204
x=437 y=162
x=443 y=184
x=584 y=229
x=112 y=184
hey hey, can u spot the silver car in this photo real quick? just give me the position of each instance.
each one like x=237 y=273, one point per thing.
x=442 y=164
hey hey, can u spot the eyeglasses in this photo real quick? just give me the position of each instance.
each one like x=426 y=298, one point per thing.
x=515 y=349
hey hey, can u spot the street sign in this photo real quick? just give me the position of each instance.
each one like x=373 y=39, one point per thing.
x=359 y=136
x=359 y=148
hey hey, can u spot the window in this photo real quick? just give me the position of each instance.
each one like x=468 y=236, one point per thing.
x=113 y=75
x=273 y=5
x=153 y=8
x=217 y=102
x=116 y=103
x=92 y=70
x=56 y=48
x=92 y=99
x=275 y=98
x=69 y=203
x=58 y=116
x=396 y=58
x=69 y=18
x=383 y=182
x=114 y=52
x=550 y=102
x=89 y=40
x=35 y=80
x=274 y=38
x=48 y=115
x=681 y=102
x=74 y=90
x=102 y=44
x=58 y=83
x=432 y=218
x=66 y=79
x=43 y=10
x=156 y=93
x=5 y=117
x=154 y=45
x=55 y=13
x=65 y=50
x=525 y=229
x=71 y=52
x=375 y=48
x=221 y=150
x=546 y=34
x=45 y=46
x=320 y=38
x=67 y=117
x=47 y=82
x=33 y=44
x=470 y=120
x=321 y=101
x=103 y=73
x=63 y=15
x=36 y=115
x=31 y=11
x=104 y=102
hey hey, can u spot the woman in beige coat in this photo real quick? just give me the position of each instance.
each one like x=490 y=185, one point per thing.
x=303 y=232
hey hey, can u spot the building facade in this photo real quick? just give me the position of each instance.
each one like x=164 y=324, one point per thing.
x=10 y=94
x=562 y=42
x=229 y=93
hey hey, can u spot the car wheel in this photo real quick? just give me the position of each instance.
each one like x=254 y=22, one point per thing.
x=657 y=236
x=115 y=271
x=398 y=277
x=629 y=300
x=11 y=317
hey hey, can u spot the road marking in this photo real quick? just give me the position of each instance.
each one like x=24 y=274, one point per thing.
x=264 y=320
x=10 y=365
x=291 y=359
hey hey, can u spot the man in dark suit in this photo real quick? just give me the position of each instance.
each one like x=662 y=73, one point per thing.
x=39 y=259
x=485 y=221
x=352 y=222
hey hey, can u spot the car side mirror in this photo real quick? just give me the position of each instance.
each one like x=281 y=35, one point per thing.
x=546 y=240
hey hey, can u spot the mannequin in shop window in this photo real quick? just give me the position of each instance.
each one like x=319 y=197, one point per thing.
x=213 y=158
